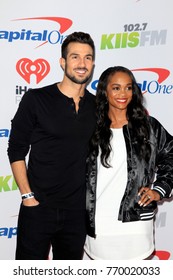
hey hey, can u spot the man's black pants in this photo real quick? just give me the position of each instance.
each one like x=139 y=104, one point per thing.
x=40 y=227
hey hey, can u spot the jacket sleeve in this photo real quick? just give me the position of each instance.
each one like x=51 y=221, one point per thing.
x=22 y=126
x=164 y=162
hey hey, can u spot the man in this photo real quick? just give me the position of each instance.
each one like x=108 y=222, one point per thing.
x=54 y=124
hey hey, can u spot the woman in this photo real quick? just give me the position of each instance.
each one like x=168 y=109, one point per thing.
x=131 y=162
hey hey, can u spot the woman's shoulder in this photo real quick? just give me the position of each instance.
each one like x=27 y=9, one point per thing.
x=157 y=126
x=153 y=121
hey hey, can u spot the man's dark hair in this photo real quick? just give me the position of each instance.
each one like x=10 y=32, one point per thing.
x=77 y=37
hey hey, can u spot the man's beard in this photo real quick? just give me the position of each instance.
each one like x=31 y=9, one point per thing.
x=75 y=80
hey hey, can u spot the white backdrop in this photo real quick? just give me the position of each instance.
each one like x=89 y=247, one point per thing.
x=137 y=34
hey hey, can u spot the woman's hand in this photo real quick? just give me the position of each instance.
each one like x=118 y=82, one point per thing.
x=147 y=196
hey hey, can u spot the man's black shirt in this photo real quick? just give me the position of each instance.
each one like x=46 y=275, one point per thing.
x=56 y=136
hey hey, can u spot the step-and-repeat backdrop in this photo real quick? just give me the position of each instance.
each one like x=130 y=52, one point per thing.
x=137 y=34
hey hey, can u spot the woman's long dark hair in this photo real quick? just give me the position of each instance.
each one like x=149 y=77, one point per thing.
x=136 y=116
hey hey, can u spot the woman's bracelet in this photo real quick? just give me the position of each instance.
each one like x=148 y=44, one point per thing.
x=27 y=195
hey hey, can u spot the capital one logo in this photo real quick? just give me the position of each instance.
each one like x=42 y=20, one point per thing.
x=26 y=67
x=161 y=72
x=155 y=85
x=151 y=86
x=44 y=36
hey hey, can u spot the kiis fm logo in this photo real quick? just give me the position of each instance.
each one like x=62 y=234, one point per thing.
x=134 y=35
x=151 y=86
x=26 y=67
x=45 y=36
x=8 y=184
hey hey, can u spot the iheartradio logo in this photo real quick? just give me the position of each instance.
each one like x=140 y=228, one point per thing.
x=26 y=67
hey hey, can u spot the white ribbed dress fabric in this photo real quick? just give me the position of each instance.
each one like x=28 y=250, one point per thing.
x=116 y=240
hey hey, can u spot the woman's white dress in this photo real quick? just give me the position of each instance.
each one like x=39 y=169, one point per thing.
x=116 y=240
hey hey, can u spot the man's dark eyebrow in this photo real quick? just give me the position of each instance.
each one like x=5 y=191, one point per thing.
x=89 y=54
